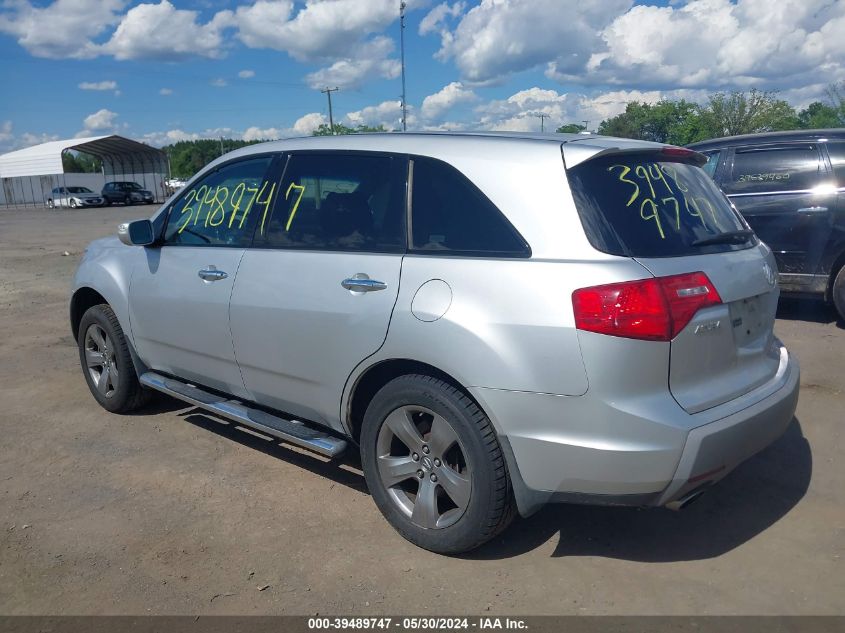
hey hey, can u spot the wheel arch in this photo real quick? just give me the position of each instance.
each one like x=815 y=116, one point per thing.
x=377 y=375
x=83 y=299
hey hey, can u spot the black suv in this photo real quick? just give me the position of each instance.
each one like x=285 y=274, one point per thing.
x=127 y=193
x=790 y=186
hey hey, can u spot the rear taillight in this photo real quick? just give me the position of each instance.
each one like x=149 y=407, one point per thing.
x=653 y=309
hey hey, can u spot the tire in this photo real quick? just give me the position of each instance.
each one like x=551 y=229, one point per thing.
x=72 y=203
x=101 y=338
x=50 y=204
x=107 y=202
x=837 y=293
x=464 y=497
x=127 y=201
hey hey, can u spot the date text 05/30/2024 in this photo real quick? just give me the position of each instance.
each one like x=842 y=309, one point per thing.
x=416 y=624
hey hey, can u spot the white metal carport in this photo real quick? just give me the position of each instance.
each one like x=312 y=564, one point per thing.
x=28 y=175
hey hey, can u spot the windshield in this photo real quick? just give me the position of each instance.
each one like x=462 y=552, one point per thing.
x=79 y=190
x=636 y=206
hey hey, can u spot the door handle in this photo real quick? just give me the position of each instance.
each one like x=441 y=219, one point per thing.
x=811 y=210
x=362 y=283
x=212 y=274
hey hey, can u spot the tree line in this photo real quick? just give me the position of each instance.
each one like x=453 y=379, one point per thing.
x=677 y=122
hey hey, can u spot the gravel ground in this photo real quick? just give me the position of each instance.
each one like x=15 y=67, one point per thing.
x=170 y=511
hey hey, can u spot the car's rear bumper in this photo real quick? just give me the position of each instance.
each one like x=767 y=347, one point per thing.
x=573 y=449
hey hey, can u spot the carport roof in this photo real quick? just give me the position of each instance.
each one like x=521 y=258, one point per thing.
x=46 y=158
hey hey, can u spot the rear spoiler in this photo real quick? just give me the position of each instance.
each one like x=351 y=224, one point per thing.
x=575 y=153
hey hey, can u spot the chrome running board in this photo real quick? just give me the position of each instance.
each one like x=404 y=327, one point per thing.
x=292 y=431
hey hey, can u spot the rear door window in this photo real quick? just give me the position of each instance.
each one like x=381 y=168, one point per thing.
x=339 y=201
x=641 y=206
x=773 y=169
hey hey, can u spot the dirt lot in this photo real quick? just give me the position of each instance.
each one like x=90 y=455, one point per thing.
x=170 y=511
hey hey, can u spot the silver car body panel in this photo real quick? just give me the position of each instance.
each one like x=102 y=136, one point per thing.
x=180 y=322
x=299 y=334
x=577 y=412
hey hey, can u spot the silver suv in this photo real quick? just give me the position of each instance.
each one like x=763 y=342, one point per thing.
x=494 y=322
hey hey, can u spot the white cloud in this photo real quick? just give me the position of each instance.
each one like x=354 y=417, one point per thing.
x=165 y=92
x=306 y=124
x=9 y=141
x=437 y=104
x=103 y=119
x=520 y=111
x=65 y=28
x=98 y=85
x=370 y=61
x=258 y=134
x=497 y=37
x=719 y=44
x=388 y=114
x=318 y=31
x=219 y=82
x=434 y=19
x=161 y=31
x=246 y=74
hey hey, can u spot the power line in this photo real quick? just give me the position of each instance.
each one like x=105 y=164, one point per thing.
x=328 y=92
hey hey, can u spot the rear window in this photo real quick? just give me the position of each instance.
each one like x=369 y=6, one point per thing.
x=635 y=206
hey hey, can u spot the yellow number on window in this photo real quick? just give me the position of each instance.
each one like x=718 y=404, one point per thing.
x=301 y=189
x=653 y=216
x=625 y=170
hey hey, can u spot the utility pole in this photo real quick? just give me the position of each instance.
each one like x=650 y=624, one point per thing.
x=586 y=123
x=542 y=116
x=328 y=92
x=221 y=146
x=402 y=49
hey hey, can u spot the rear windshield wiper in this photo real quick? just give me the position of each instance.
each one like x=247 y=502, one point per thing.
x=731 y=237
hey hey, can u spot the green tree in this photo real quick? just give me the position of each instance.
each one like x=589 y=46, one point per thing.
x=80 y=163
x=728 y=114
x=339 y=128
x=820 y=115
x=570 y=128
x=667 y=121
x=188 y=157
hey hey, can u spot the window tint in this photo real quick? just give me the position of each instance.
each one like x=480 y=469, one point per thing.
x=338 y=201
x=774 y=169
x=223 y=208
x=837 y=160
x=450 y=214
x=638 y=207
x=712 y=162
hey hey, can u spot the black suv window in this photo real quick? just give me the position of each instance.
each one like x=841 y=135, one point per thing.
x=712 y=162
x=836 y=150
x=764 y=170
x=645 y=206
x=340 y=202
x=223 y=208
x=451 y=215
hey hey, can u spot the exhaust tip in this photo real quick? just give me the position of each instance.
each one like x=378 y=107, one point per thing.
x=686 y=500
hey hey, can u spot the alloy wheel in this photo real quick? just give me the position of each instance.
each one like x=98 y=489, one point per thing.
x=101 y=361
x=424 y=467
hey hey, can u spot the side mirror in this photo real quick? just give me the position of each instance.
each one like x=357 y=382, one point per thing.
x=136 y=233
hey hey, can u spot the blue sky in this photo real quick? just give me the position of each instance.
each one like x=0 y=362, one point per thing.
x=162 y=71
